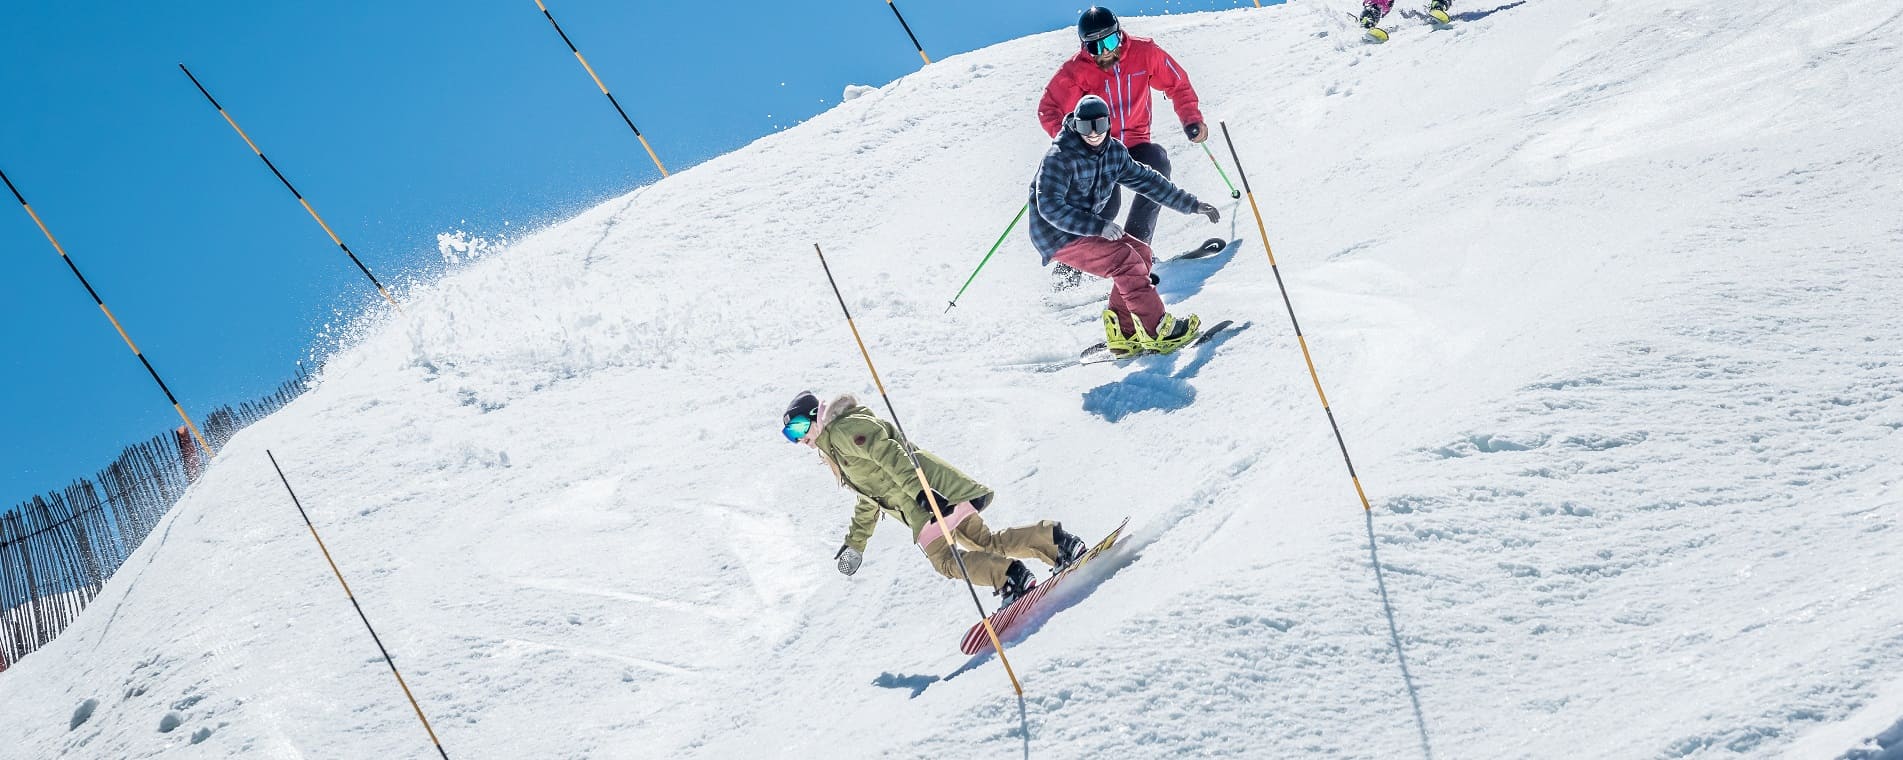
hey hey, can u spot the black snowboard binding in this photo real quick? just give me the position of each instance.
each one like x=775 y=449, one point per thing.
x=1018 y=581
x=1070 y=548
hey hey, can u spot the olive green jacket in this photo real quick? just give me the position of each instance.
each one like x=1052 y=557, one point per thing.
x=865 y=455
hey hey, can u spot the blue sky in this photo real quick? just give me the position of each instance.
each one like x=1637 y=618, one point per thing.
x=398 y=120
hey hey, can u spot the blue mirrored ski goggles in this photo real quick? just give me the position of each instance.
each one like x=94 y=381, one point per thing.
x=1092 y=127
x=1105 y=44
x=796 y=428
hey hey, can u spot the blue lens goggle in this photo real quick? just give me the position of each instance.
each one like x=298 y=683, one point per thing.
x=796 y=428
x=1105 y=44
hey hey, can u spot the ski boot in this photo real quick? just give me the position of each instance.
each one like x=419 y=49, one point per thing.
x=1371 y=13
x=1114 y=339
x=1070 y=548
x=1064 y=277
x=1018 y=581
x=1437 y=10
x=1172 y=334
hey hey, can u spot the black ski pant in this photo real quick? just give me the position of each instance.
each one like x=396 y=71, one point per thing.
x=1143 y=211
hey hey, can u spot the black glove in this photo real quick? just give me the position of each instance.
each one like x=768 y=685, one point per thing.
x=1209 y=211
x=1196 y=132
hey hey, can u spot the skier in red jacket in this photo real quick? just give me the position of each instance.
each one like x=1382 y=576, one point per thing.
x=1122 y=70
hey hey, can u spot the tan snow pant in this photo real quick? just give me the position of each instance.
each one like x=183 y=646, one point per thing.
x=987 y=554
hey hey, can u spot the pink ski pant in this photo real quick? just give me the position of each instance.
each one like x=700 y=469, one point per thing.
x=1126 y=261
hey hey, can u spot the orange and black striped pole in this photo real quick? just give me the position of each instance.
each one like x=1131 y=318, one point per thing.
x=288 y=186
x=109 y=317
x=931 y=496
x=1299 y=339
x=603 y=87
x=353 y=603
x=908 y=31
x=1367 y=512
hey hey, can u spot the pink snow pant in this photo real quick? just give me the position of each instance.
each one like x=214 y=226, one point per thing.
x=1384 y=5
x=1126 y=261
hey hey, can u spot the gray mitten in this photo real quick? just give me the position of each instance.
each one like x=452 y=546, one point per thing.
x=1111 y=231
x=849 y=559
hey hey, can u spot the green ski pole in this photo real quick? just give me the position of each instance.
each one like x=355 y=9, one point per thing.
x=987 y=258
x=1233 y=192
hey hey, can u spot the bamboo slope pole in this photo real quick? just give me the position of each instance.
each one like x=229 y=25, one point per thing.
x=1367 y=512
x=109 y=317
x=358 y=607
x=931 y=497
x=288 y=186
x=908 y=32
x=1299 y=339
x=603 y=87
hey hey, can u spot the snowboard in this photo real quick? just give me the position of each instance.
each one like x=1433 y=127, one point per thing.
x=1009 y=619
x=1099 y=353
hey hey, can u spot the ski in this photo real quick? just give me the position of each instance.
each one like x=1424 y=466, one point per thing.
x=1433 y=16
x=1373 y=35
x=1209 y=248
x=1008 y=620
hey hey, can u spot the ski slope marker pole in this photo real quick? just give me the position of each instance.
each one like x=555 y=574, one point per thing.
x=359 y=607
x=109 y=317
x=1306 y=357
x=908 y=31
x=288 y=186
x=987 y=258
x=1233 y=192
x=1367 y=512
x=931 y=497
x=603 y=87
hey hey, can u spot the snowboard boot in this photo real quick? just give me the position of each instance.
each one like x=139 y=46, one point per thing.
x=1113 y=337
x=1018 y=581
x=1064 y=277
x=1171 y=334
x=1070 y=548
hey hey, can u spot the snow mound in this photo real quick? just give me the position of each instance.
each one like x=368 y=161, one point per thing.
x=1600 y=292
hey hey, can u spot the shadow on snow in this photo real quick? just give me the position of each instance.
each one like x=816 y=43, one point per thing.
x=1183 y=278
x=1156 y=384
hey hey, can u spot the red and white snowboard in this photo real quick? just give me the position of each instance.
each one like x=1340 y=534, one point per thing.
x=1008 y=620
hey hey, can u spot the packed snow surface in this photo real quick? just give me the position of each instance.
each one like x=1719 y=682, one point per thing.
x=1603 y=294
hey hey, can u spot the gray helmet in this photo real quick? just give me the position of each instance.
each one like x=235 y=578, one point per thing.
x=1091 y=116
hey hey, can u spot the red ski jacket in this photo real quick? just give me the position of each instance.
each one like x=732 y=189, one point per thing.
x=1126 y=87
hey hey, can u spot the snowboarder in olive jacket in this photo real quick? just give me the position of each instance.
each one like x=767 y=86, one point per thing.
x=868 y=458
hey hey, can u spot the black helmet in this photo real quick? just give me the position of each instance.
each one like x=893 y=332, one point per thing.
x=1091 y=116
x=1096 y=24
x=805 y=407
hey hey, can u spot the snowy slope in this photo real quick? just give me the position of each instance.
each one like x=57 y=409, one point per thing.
x=1602 y=295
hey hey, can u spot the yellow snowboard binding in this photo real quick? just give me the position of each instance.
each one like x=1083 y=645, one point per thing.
x=1114 y=339
x=1172 y=334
